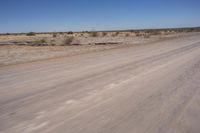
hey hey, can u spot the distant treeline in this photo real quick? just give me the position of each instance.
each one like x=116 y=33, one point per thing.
x=190 y=29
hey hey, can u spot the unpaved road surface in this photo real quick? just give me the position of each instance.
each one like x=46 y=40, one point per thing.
x=151 y=88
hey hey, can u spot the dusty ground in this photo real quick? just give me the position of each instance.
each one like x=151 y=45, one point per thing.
x=21 y=54
x=12 y=54
x=150 y=88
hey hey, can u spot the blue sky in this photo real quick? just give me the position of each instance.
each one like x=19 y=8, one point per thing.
x=77 y=15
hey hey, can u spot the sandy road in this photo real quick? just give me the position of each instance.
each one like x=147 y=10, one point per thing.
x=152 y=88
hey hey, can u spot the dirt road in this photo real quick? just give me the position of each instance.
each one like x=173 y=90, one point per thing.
x=151 y=88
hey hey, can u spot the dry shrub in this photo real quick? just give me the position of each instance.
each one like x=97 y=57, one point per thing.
x=155 y=32
x=68 y=40
x=115 y=34
x=104 y=34
x=41 y=42
x=94 y=34
x=31 y=34
x=127 y=34
x=137 y=34
x=61 y=33
x=70 y=33
x=54 y=35
x=146 y=35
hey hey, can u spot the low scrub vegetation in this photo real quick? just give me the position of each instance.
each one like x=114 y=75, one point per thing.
x=41 y=42
x=94 y=34
x=115 y=34
x=68 y=40
x=54 y=35
x=137 y=34
x=31 y=34
x=70 y=33
x=146 y=35
x=104 y=34
x=127 y=34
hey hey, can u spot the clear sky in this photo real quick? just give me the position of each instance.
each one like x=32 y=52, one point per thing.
x=77 y=15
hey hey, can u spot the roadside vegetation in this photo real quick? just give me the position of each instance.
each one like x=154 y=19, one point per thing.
x=31 y=34
x=94 y=34
x=74 y=38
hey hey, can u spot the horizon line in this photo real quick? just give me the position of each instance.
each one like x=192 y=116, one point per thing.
x=114 y=30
